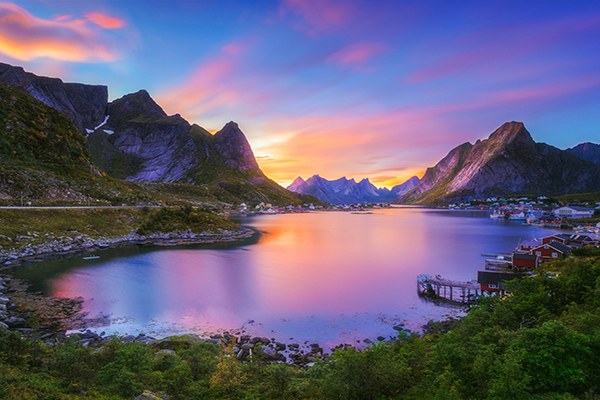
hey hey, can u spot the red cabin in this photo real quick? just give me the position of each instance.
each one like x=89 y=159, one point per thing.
x=551 y=251
x=525 y=261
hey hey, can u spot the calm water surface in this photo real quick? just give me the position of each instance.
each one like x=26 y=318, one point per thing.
x=330 y=277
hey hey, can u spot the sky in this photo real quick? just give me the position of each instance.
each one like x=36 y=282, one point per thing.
x=378 y=89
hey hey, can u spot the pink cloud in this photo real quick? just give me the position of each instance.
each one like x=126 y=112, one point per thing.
x=357 y=53
x=105 y=21
x=319 y=16
x=25 y=37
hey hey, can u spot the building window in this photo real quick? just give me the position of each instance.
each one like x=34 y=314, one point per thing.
x=538 y=253
x=554 y=255
x=493 y=286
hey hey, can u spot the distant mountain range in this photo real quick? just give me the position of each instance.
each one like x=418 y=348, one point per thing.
x=508 y=162
x=348 y=191
x=133 y=139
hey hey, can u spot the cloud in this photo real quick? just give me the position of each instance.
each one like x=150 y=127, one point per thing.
x=105 y=21
x=357 y=54
x=25 y=37
x=315 y=17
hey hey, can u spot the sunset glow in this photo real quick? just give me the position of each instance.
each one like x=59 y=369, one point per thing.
x=377 y=90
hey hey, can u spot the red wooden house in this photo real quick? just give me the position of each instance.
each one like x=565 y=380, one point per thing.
x=525 y=261
x=551 y=251
x=493 y=281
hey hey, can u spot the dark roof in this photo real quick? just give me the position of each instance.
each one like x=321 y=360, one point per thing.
x=578 y=238
x=524 y=256
x=579 y=208
x=563 y=248
x=493 y=277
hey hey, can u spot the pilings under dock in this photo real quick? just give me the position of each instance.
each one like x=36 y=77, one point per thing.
x=436 y=286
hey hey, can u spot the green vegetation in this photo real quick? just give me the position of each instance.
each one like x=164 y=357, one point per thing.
x=540 y=342
x=19 y=227
x=580 y=198
x=183 y=219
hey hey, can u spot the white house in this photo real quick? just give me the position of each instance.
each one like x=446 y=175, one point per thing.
x=574 y=212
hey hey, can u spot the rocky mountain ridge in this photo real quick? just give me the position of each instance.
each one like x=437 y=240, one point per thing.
x=84 y=104
x=507 y=162
x=588 y=151
x=132 y=138
x=348 y=191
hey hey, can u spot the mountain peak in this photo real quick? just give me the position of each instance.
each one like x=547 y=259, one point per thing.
x=510 y=132
x=232 y=144
x=138 y=106
x=509 y=161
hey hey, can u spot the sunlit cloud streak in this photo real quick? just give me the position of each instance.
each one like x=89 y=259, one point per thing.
x=25 y=37
x=357 y=54
x=105 y=21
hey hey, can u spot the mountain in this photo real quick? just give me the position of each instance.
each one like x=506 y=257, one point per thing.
x=132 y=138
x=85 y=105
x=508 y=162
x=43 y=158
x=402 y=188
x=344 y=191
x=138 y=141
x=588 y=151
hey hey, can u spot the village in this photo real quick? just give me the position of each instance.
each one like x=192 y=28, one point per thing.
x=503 y=268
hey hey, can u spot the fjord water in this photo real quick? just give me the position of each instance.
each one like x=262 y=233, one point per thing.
x=329 y=277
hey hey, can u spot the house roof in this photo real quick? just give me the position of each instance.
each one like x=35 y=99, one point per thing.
x=577 y=208
x=524 y=256
x=557 y=246
x=493 y=277
x=530 y=243
x=580 y=238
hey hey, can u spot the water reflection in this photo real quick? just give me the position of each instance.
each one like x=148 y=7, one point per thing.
x=320 y=276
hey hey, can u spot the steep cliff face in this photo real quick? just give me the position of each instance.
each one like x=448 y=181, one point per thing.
x=588 y=151
x=346 y=191
x=509 y=161
x=85 y=105
x=137 y=141
x=232 y=145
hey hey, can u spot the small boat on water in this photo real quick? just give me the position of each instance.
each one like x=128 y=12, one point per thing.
x=92 y=257
x=497 y=214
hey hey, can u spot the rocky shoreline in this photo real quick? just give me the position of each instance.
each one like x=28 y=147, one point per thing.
x=52 y=320
x=66 y=245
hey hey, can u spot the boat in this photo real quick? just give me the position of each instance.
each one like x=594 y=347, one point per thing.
x=92 y=257
x=497 y=214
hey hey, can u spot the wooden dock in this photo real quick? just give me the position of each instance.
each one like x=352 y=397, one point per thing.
x=441 y=288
